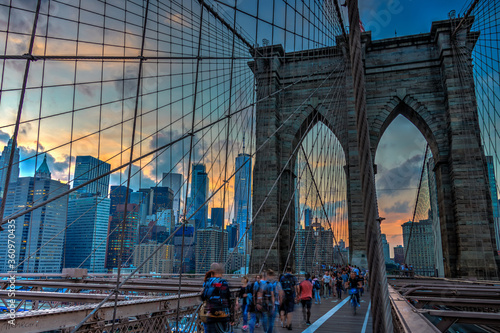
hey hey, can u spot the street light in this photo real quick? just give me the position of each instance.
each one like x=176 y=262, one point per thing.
x=380 y=219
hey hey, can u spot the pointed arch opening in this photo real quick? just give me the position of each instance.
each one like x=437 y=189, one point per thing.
x=321 y=195
x=407 y=193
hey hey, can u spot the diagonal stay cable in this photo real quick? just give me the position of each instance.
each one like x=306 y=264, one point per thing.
x=185 y=136
x=321 y=201
x=416 y=201
x=182 y=225
x=19 y=112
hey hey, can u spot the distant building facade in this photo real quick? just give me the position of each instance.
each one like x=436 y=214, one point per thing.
x=174 y=181
x=4 y=163
x=199 y=194
x=420 y=247
x=211 y=245
x=232 y=234
x=161 y=262
x=399 y=254
x=307 y=217
x=314 y=247
x=243 y=196
x=86 y=233
x=217 y=217
x=385 y=248
x=131 y=230
x=43 y=226
x=184 y=256
x=118 y=196
x=88 y=168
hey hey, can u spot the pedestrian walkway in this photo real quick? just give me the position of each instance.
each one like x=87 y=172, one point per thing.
x=331 y=315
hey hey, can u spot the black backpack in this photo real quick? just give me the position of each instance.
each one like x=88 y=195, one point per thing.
x=317 y=286
x=288 y=285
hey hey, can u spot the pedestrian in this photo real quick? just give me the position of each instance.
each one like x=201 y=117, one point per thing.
x=289 y=284
x=305 y=297
x=338 y=285
x=316 y=290
x=217 y=298
x=361 y=279
x=255 y=288
x=279 y=295
x=251 y=307
x=265 y=301
x=243 y=297
x=326 y=284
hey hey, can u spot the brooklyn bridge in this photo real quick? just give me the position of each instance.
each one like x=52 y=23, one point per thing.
x=145 y=140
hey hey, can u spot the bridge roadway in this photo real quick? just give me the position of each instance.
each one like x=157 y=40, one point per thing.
x=332 y=315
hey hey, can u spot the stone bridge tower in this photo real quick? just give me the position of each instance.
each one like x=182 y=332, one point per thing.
x=416 y=76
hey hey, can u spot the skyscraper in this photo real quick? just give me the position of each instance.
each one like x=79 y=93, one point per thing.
x=307 y=217
x=385 y=248
x=217 y=217
x=184 y=255
x=242 y=196
x=232 y=233
x=85 y=245
x=157 y=199
x=87 y=168
x=420 y=246
x=117 y=195
x=199 y=193
x=4 y=163
x=139 y=198
x=399 y=254
x=174 y=181
x=208 y=248
x=35 y=229
x=130 y=238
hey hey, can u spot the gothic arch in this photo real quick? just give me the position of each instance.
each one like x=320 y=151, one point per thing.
x=307 y=120
x=417 y=114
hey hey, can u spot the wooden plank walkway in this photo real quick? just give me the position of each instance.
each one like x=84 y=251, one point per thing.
x=332 y=315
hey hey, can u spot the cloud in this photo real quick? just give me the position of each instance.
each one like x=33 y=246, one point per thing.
x=58 y=168
x=403 y=176
x=136 y=182
x=398 y=207
x=4 y=137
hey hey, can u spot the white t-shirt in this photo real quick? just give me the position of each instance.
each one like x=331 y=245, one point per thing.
x=326 y=278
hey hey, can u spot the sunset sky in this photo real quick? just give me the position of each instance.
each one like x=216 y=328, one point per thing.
x=110 y=102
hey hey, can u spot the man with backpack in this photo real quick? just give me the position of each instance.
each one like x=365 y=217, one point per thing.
x=217 y=298
x=252 y=289
x=290 y=287
x=265 y=301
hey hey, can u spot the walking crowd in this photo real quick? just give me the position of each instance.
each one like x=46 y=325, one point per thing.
x=268 y=296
